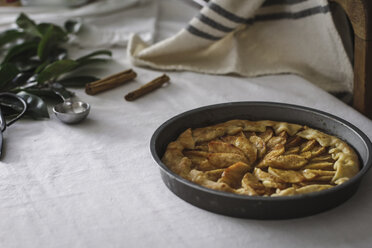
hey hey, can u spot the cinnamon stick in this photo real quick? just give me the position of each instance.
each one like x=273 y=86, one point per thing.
x=147 y=88
x=110 y=82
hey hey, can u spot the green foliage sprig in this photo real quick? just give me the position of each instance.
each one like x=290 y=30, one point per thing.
x=35 y=59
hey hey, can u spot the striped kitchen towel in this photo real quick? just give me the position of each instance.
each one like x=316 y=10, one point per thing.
x=256 y=37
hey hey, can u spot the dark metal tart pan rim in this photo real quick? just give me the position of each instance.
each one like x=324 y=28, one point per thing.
x=258 y=207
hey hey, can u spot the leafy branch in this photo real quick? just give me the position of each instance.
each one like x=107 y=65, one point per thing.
x=35 y=57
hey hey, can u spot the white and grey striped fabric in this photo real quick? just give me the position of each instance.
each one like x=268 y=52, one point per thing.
x=255 y=37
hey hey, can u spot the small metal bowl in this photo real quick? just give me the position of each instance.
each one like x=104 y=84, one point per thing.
x=71 y=112
x=258 y=207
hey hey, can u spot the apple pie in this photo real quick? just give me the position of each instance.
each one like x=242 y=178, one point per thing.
x=261 y=158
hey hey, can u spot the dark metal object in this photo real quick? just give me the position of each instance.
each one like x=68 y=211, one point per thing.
x=258 y=207
x=4 y=123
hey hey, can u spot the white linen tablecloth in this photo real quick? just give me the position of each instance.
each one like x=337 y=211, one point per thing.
x=106 y=23
x=95 y=184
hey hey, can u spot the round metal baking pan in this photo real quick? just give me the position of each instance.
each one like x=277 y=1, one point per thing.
x=259 y=207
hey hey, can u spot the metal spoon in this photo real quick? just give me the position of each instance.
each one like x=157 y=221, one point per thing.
x=71 y=110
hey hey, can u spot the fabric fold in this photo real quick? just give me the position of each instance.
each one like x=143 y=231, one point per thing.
x=253 y=38
x=106 y=23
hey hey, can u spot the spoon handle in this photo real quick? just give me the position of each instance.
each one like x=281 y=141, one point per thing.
x=62 y=92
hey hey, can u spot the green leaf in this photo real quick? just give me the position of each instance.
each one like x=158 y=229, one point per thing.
x=43 y=27
x=36 y=107
x=54 y=70
x=94 y=54
x=51 y=37
x=59 y=33
x=73 y=26
x=89 y=58
x=41 y=67
x=57 y=53
x=78 y=81
x=28 y=25
x=7 y=73
x=9 y=36
x=46 y=44
x=21 y=49
x=90 y=61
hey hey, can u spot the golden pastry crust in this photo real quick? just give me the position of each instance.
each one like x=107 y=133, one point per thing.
x=266 y=158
